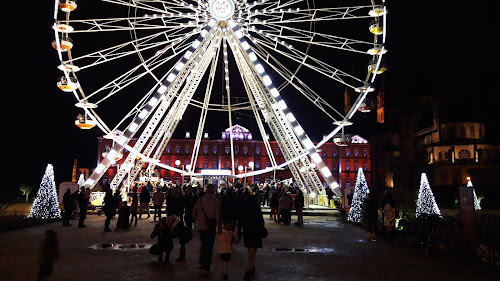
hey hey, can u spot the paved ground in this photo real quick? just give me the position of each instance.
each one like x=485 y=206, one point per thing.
x=337 y=252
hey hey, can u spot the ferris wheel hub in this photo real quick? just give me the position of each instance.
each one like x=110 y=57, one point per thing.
x=221 y=9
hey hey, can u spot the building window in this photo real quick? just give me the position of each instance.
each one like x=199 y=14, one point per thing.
x=214 y=149
x=257 y=165
x=177 y=148
x=205 y=164
x=356 y=166
x=186 y=148
x=226 y=149
x=472 y=132
x=245 y=149
x=347 y=166
x=464 y=154
x=186 y=162
x=335 y=152
x=267 y=164
x=214 y=164
x=334 y=167
x=257 y=150
x=205 y=148
x=356 y=153
x=365 y=167
x=168 y=149
x=365 y=152
x=236 y=149
x=167 y=162
x=226 y=164
x=276 y=151
x=347 y=152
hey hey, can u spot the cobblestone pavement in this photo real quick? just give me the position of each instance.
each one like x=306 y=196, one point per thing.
x=320 y=250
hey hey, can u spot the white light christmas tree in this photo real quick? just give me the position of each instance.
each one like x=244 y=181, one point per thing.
x=45 y=205
x=477 y=206
x=360 y=192
x=426 y=203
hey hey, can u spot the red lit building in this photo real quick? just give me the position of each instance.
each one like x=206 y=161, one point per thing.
x=215 y=154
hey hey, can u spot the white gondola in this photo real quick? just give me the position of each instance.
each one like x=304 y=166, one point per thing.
x=376 y=28
x=65 y=44
x=67 y=86
x=83 y=122
x=67 y=5
x=341 y=141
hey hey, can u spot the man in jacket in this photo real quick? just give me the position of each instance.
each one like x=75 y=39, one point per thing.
x=158 y=199
x=207 y=215
x=285 y=208
x=144 y=198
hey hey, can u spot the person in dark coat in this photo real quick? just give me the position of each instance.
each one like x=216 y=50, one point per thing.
x=189 y=201
x=145 y=198
x=181 y=232
x=165 y=244
x=117 y=201
x=133 y=209
x=109 y=209
x=299 y=206
x=230 y=208
x=274 y=204
x=251 y=227
x=68 y=202
x=83 y=204
x=49 y=252
x=123 y=217
x=370 y=215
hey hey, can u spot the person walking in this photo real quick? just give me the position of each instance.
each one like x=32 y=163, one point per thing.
x=389 y=221
x=165 y=243
x=251 y=227
x=109 y=208
x=49 y=252
x=145 y=198
x=68 y=203
x=226 y=239
x=133 y=209
x=299 y=206
x=158 y=199
x=207 y=215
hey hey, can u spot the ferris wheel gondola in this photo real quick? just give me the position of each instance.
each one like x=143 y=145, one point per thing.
x=275 y=45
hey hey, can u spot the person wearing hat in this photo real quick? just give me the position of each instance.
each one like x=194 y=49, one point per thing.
x=207 y=215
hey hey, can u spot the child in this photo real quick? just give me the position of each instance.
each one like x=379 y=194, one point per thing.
x=165 y=243
x=225 y=247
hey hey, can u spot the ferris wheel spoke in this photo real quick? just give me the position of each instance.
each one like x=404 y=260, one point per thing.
x=295 y=35
x=310 y=62
x=163 y=6
x=297 y=83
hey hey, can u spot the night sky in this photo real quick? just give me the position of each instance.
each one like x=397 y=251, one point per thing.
x=445 y=51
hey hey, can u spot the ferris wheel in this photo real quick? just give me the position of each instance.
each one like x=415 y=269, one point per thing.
x=136 y=66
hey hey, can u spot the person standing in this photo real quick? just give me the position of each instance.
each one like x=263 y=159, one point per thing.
x=226 y=240
x=68 y=203
x=274 y=204
x=158 y=199
x=207 y=215
x=123 y=216
x=299 y=206
x=285 y=208
x=370 y=210
x=83 y=204
x=251 y=227
x=133 y=209
x=389 y=221
x=145 y=197
x=49 y=252
x=109 y=208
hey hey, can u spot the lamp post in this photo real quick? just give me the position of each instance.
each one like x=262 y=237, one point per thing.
x=177 y=164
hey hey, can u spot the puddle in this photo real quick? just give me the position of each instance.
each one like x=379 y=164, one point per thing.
x=120 y=247
x=300 y=250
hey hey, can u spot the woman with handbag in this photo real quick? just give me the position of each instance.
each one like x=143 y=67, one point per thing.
x=251 y=226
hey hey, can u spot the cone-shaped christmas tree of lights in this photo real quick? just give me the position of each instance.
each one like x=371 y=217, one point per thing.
x=45 y=205
x=426 y=203
x=476 y=202
x=360 y=192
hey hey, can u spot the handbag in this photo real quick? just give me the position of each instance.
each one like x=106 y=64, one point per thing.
x=155 y=249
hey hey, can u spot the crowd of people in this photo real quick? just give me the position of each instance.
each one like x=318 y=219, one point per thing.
x=226 y=214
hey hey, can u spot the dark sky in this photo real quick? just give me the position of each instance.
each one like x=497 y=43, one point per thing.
x=445 y=51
